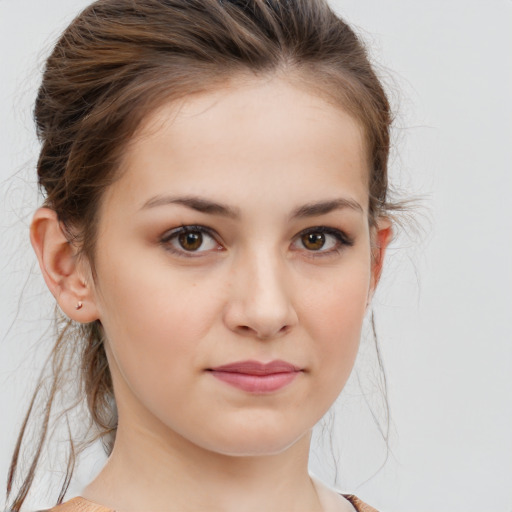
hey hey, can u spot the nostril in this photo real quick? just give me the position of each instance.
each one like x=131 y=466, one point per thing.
x=247 y=330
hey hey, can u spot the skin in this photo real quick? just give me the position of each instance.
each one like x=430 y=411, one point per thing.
x=254 y=290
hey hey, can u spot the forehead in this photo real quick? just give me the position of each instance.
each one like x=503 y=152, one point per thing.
x=251 y=141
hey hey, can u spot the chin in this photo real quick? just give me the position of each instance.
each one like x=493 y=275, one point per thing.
x=254 y=442
x=256 y=449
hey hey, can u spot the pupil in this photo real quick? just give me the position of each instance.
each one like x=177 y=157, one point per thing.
x=191 y=241
x=314 y=241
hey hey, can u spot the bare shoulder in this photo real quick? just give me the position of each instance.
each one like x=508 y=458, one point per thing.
x=333 y=501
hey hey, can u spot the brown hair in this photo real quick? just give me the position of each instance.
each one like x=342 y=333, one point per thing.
x=121 y=59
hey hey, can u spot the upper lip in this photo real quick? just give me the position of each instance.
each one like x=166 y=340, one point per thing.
x=257 y=368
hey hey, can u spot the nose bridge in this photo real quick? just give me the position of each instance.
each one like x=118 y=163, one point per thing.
x=266 y=275
x=262 y=304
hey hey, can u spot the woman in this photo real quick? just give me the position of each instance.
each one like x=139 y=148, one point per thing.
x=214 y=228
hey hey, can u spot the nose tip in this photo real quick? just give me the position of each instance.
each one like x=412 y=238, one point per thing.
x=261 y=305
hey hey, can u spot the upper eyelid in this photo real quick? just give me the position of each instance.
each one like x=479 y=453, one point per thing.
x=188 y=227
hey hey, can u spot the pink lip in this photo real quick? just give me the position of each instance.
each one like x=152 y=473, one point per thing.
x=256 y=377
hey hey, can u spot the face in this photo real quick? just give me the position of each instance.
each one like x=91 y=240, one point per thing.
x=233 y=267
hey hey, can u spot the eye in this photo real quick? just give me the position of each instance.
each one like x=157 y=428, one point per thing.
x=190 y=239
x=322 y=240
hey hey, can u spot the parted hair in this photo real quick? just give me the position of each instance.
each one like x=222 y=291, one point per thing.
x=117 y=62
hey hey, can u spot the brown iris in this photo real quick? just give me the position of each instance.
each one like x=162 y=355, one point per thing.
x=191 y=241
x=313 y=241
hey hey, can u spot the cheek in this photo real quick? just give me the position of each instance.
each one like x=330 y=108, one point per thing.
x=333 y=317
x=155 y=321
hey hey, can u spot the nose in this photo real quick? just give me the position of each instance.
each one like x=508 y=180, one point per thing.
x=260 y=303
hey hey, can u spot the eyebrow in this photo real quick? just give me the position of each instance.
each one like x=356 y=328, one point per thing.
x=195 y=203
x=213 y=208
x=324 y=207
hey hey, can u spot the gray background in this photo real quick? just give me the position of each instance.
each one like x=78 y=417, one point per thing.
x=443 y=310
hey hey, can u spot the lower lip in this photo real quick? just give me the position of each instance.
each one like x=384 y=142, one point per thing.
x=256 y=383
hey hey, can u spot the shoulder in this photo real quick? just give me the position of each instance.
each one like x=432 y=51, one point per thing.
x=359 y=505
x=78 y=505
x=83 y=505
x=334 y=501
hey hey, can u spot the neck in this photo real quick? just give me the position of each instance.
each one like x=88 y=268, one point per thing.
x=150 y=472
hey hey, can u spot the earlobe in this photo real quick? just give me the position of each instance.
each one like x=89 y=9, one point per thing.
x=60 y=267
x=382 y=238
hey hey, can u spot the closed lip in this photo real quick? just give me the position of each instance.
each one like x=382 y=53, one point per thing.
x=257 y=368
x=256 y=377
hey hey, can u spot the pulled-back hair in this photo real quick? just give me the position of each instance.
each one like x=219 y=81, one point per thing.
x=117 y=62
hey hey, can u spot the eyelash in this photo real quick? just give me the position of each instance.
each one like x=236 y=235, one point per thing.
x=341 y=238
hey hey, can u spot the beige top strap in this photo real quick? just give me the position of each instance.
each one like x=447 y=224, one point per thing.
x=79 y=505
x=358 y=504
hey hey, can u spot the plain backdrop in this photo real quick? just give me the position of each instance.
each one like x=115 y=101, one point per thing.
x=444 y=307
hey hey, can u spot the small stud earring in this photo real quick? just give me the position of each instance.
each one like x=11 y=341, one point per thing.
x=79 y=305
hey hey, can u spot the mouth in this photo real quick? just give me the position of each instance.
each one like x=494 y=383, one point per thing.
x=256 y=377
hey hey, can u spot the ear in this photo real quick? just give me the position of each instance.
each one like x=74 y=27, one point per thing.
x=381 y=238
x=64 y=273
